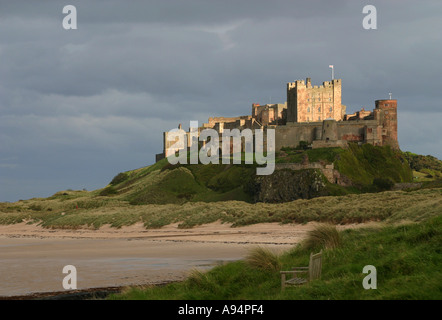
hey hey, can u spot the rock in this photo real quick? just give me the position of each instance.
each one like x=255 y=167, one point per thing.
x=305 y=160
x=288 y=185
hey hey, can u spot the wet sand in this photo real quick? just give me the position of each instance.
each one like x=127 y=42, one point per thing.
x=32 y=258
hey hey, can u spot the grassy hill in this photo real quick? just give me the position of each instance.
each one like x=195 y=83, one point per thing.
x=370 y=169
x=163 y=183
x=196 y=194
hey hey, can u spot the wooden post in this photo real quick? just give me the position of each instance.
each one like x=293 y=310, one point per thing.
x=282 y=282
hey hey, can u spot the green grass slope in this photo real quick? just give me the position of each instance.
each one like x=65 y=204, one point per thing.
x=363 y=164
x=183 y=183
x=164 y=183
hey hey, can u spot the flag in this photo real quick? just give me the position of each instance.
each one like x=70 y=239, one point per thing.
x=330 y=66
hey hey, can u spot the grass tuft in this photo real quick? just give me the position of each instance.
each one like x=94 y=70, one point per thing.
x=323 y=236
x=263 y=259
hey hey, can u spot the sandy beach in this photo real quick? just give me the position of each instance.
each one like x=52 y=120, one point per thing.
x=32 y=258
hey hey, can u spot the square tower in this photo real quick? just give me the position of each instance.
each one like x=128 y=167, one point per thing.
x=307 y=103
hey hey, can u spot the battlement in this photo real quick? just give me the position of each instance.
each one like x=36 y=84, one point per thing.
x=308 y=84
x=295 y=84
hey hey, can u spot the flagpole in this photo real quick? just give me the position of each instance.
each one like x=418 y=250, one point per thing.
x=333 y=78
x=333 y=71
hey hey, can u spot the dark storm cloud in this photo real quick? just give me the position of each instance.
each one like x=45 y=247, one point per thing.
x=78 y=106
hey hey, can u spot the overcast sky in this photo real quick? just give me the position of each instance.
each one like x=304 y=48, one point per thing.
x=79 y=106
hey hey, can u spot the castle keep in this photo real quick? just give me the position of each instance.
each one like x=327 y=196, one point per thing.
x=313 y=114
x=307 y=103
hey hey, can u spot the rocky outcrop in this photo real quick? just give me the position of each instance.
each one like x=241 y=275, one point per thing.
x=328 y=170
x=288 y=185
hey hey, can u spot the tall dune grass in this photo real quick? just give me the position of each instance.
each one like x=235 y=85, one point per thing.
x=323 y=236
x=263 y=258
x=77 y=209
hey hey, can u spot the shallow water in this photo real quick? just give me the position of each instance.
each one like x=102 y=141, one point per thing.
x=30 y=265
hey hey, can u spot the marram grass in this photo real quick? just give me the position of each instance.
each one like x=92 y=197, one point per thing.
x=87 y=209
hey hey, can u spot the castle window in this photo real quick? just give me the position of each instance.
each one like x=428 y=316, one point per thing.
x=308 y=109
x=319 y=109
x=329 y=99
x=330 y=109
x=319 y=118
x=308 y=100
x=319 y=99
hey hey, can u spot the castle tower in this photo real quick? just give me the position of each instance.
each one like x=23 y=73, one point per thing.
x=307 y=103
x=329 y=130
x=386 y=115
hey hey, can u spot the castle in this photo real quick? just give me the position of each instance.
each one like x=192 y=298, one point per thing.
x=313 y=114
